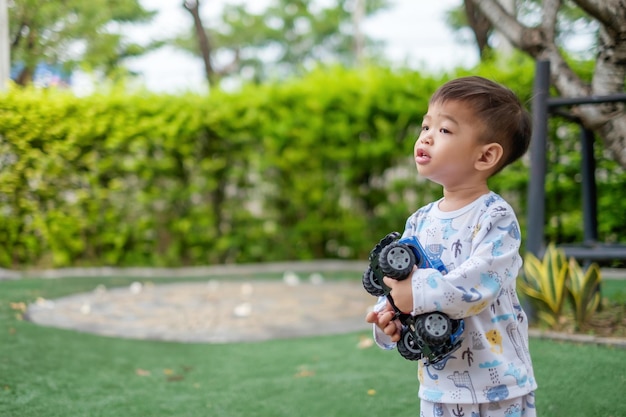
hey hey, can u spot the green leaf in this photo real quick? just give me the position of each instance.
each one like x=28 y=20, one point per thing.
x=584 y=291
x=544 y=281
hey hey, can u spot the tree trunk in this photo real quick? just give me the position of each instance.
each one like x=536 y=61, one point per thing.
x=193 y=6
x=608 y=120
x=481 y=27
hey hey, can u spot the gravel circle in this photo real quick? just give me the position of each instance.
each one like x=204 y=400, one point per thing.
x=215 y=311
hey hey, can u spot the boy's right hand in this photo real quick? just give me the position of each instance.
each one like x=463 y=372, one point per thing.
x=384 y=319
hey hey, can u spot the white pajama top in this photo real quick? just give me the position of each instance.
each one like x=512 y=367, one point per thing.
x=479 y=245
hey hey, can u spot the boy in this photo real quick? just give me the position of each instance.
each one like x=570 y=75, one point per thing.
x=472 y=130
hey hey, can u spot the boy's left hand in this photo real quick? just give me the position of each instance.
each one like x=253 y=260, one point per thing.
x=402 y=293
x=386 y=320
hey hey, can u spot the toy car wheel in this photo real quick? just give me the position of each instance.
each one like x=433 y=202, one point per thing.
x=389 y=238
x=434 y=328
x=371 y=284
x=407 y=346
x=396 y=261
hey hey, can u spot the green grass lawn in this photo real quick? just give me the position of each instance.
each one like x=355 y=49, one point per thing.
x=48 y=372
x=614 y=290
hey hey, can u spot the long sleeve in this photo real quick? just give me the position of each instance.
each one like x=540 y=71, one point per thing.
x=479 y=266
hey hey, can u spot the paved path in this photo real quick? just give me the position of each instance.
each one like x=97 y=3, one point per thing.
x=216 y=311
x=226 y=307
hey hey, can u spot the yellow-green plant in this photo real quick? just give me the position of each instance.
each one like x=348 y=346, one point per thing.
x=584 y=291
x=544 y=281
x=552 y=280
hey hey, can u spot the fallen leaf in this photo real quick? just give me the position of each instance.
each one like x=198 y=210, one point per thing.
x=168 y=371
x=365 y=342
x=304 y=372
x=371 y=392
x=142 y=372
x=42 y=302
x=175 y=378
x=19 y=306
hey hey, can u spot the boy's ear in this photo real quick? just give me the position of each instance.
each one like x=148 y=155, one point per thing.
x=490 y=156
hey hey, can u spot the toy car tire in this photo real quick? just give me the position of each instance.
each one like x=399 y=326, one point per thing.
x=407 y=345
x=434 y=328
x=371 y=284
x=396 y=261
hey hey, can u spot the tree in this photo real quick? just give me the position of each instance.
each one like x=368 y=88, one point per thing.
x=204 y=45
x=544 y=40
x=288 y=37
x=74 y=33
x=468 y=15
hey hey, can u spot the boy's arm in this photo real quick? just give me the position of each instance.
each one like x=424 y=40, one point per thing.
x=475 y=283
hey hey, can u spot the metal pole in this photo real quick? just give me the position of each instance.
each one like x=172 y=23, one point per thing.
x=5 y=56
x=589 y=193
x=538 y=160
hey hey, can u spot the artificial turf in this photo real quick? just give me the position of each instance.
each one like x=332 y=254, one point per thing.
x=47 y=372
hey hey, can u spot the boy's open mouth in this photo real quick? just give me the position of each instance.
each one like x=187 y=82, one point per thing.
x=422 y=156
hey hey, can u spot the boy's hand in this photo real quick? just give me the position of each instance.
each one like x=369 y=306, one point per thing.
x=384 y=319
x=401 y=292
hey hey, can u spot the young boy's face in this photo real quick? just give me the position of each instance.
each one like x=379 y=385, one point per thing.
x=449 y=144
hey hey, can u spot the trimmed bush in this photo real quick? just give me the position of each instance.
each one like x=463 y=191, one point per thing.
x=318 y=167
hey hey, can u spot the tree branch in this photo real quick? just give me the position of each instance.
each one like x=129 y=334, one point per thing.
x=529 y=40
x=610 y=70
x=550 y=11
x=536 y=43
x=480 y=25
x=233 y=66
x=610 y=63
x=193 y=7
x=608 y=12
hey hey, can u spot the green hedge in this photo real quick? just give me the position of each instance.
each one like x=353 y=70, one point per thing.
x=310 y=168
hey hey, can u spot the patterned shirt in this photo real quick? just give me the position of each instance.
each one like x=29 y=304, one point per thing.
x=479 y=245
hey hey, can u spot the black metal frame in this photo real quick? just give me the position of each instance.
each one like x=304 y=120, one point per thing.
x=543 y=106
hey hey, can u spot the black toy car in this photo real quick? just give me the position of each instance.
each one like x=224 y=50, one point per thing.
x=432 y=336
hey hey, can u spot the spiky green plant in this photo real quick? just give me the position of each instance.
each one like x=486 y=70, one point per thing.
x=544 y=281
x=583 y=291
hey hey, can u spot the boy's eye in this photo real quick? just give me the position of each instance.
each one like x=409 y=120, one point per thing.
x=424 y=127
x=444 y=130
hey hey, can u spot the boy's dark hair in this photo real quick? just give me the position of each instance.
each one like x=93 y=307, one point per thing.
x=505 y=119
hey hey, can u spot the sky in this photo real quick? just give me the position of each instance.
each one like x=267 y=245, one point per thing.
x=413 y=30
